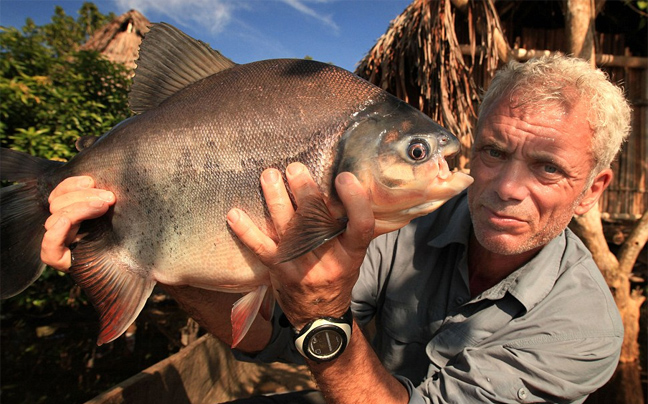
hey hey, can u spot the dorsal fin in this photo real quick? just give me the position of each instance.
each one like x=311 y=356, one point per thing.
x=84 y=142
x=170 y=60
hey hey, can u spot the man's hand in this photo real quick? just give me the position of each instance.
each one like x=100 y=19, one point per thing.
x=318 y=283
x=74 y=200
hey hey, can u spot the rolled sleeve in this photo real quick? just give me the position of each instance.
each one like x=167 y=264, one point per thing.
x=281 y=347
x=415 y=396
x=560 y=371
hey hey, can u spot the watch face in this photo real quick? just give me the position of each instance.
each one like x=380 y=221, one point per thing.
x=325 y=342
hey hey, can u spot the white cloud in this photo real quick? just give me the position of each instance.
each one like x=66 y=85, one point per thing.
x=302 y=7
x=213 y=15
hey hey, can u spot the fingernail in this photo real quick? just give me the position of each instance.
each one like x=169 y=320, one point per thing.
x=345 y=178
x=84 y=182
x=233 y=216
x=106 y=196
x=294 y=169
x=270 y=176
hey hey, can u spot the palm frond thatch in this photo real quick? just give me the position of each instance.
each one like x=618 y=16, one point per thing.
x=119 y=40
x=419 y=59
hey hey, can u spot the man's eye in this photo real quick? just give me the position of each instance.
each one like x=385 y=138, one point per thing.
x=550 y=169
x=549 y=172
x=494 y=153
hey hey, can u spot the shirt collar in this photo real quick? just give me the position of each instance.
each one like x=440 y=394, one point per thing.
x=530 y=283
x=533 y=281
x=456 y=228
x=538 y=277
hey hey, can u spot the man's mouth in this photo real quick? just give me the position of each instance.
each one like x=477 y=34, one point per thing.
x=501 y=219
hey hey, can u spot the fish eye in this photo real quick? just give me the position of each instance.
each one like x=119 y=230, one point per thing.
x=418 y=150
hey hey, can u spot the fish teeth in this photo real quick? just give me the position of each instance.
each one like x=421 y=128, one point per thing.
x=444 y=170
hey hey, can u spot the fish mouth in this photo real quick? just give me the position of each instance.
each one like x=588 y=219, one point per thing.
x=459 y=180
x=445 y=185
x=394 y=208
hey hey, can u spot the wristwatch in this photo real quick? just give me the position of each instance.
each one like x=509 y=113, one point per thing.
x=324 y=339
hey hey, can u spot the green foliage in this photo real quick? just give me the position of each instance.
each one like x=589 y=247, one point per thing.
x=51 y=92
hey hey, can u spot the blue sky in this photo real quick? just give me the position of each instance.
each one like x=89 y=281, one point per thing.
x=336 y=31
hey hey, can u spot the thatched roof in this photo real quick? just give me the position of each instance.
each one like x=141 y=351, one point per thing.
x=119 y=40
x=419 y=59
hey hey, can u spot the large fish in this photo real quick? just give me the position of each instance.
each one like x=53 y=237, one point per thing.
x=205 y=130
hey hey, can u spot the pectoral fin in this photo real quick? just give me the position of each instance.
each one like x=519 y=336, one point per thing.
x=311 y=227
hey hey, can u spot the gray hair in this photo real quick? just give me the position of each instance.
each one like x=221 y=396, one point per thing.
x=550 y=80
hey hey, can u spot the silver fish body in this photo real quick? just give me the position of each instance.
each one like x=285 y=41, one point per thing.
x=197 y=150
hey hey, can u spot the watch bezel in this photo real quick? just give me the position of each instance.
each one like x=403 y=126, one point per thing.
x=341 y=326
x=306 y=343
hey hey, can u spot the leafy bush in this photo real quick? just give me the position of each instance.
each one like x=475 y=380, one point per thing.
x=52 y=94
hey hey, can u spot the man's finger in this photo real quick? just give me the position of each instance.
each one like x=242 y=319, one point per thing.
x=357 y=203
x=277 y=199
x=95 y=197
x=71 y=184
x=62 y=228
x=301 y=183
x=250 y=235
x=54 y=250
x=78 y=212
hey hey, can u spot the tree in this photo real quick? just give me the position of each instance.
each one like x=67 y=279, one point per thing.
x=617 y=270
x=53 y=93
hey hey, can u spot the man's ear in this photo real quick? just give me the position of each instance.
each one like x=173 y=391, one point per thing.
x=593 y=193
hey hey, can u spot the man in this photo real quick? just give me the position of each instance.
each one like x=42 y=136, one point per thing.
x=488 y=299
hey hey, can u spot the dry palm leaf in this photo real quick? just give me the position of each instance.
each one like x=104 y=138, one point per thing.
x=419 y=59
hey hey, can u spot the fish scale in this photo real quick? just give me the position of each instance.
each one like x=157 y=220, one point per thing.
x=196 y=150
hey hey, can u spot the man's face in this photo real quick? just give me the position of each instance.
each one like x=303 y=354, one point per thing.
x=531 y=169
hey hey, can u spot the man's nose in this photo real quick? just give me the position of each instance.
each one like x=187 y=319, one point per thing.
x=512 y=182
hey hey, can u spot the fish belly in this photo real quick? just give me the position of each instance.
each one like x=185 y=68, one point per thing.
x=169 y=222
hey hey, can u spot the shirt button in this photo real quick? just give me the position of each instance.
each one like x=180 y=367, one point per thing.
x=459 y=300
x=522 y=394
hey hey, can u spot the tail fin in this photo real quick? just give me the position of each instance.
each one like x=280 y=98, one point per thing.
x=23 y=211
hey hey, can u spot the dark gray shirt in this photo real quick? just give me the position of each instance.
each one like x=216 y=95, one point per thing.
x=549 y=332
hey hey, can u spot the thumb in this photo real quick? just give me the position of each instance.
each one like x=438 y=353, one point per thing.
x=357 y=204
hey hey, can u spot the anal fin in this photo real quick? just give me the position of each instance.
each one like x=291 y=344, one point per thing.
x=116 y=290
x=245 y=310
x=267 y=306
